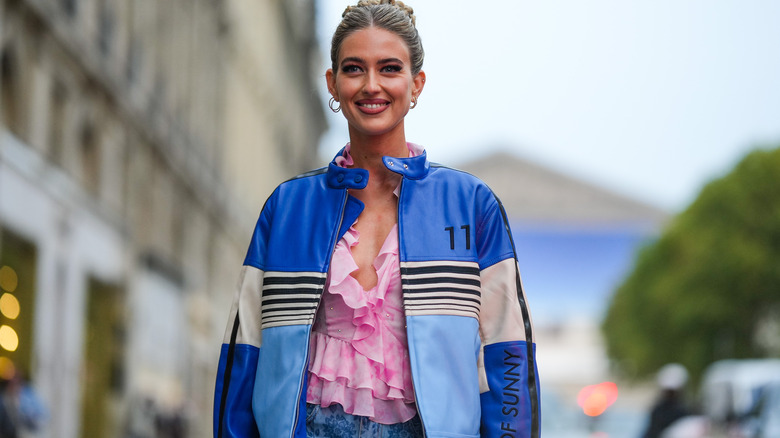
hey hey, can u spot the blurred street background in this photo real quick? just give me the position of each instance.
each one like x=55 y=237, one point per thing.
x=635 y=148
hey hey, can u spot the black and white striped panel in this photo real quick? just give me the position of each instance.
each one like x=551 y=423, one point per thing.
x=441 y=288
x=290 y=298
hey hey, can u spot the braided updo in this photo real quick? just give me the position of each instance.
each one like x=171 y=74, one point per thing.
x=391 y=15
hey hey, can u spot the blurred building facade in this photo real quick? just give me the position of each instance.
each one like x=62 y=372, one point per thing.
x=138 y=140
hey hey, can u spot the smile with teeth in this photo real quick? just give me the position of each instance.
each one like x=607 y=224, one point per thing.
x=373 y=105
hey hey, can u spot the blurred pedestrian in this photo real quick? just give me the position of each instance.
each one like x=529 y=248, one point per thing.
x=171 y=423
x=21 y=409
x=670 y=406
x=7 y=411
x=142 y=412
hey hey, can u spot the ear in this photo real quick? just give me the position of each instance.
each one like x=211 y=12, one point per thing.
x=418 y=83
x=330 y=78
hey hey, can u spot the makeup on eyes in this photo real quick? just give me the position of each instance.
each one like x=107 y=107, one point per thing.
x=352 y=64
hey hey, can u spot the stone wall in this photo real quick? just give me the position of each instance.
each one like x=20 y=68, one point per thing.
x=138 y=140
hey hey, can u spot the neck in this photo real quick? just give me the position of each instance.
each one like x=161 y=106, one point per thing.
x=367 y=151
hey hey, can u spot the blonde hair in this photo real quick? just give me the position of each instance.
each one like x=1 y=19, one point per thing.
x=393 y=16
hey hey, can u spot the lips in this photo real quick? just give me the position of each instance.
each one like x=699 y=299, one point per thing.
x=372 y=106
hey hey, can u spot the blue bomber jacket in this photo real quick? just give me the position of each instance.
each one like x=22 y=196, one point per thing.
x=468 y=326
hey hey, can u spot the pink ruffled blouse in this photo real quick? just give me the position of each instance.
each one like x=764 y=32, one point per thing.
x=359 y=355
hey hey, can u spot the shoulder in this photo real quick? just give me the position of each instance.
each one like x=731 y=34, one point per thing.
x=310 y=174
x=298 y=186
x=306 y=178
x=455 y=189
x=304 y=181
x=455 y=175
x=456 y=179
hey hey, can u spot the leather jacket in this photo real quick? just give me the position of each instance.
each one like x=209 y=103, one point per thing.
x=468 y=326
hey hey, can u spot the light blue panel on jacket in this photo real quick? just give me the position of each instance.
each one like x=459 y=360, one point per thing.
x=443 y=351
x=280 y=368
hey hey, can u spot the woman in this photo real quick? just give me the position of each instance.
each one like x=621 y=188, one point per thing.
x=380 y=295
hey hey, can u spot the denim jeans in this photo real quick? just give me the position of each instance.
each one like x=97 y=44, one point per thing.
x=333 y=422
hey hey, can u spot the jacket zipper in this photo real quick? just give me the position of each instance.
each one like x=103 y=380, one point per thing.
x=403 y=297
x=316 y=309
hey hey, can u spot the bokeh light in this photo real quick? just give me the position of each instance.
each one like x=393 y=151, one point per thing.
x=8 y=279
x=9 y=306
x=9 y=340
x=595 y=399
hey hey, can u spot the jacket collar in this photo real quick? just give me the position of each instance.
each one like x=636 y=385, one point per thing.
x=356 y=178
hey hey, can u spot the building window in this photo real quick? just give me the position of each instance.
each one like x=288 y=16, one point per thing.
x=71 y=7
x=105 y=29
x=157 y=99
x=9 y=74
x=57 y=122
x=133 y=64
x=103 y=371
x=90 y=158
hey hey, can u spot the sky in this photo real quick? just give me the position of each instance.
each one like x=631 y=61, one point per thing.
x=647 y=99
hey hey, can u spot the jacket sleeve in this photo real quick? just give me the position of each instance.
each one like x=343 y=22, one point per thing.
x=238 y=358
x=509 y=381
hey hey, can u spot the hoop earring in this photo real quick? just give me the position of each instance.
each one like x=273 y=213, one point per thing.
x=414 y=102
x=330 y=104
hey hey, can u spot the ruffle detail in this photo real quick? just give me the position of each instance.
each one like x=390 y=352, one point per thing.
x=356 y=383
x=345 y=160
x=359 y=355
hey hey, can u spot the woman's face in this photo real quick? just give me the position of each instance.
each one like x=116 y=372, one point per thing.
x=374 y=82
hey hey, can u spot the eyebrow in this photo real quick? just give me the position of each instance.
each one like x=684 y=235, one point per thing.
x=362 y=61
x=390 y=61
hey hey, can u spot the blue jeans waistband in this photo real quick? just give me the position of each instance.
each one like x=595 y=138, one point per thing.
x=333 y=422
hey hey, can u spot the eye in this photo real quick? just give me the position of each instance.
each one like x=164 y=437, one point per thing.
x=392 y=68
x=351 y=68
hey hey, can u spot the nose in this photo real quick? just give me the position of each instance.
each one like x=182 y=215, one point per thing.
x=372 y=84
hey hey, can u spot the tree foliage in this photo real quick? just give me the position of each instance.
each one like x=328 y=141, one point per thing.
x=709 y=287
